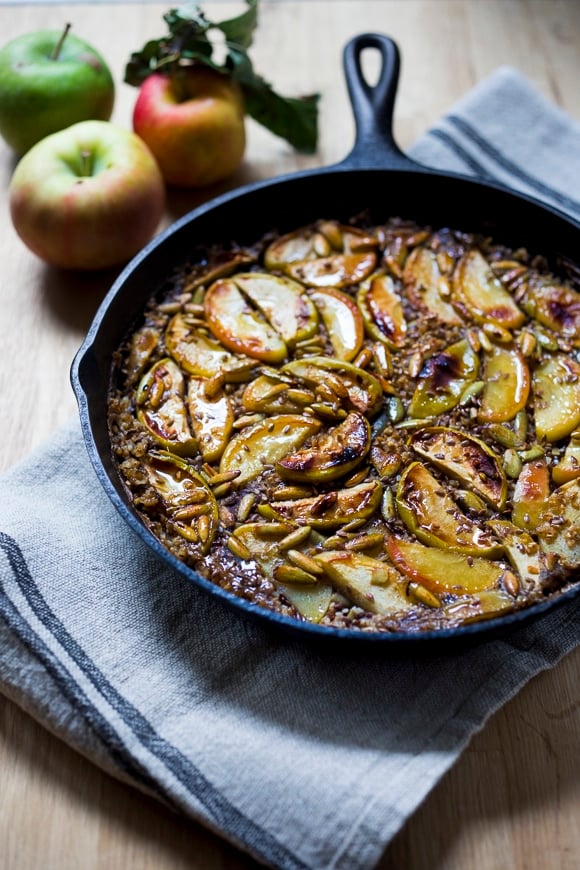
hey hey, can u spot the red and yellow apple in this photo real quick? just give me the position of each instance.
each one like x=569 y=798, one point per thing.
x=193 y=122
x=88 y=197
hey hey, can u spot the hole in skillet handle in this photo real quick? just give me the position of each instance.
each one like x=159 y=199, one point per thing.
x=373 y=106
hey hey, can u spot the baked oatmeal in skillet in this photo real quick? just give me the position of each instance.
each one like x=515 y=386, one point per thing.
x=372 y=427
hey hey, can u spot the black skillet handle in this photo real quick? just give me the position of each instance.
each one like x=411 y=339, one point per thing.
x=373 y=105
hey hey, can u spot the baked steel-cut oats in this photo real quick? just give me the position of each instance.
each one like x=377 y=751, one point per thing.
x=373 y=427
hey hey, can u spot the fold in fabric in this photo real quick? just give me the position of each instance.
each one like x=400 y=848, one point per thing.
x=300 y=755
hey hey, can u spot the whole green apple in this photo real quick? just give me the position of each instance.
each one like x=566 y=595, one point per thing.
x=193 y=122
x=87 y=197
x=48 y=81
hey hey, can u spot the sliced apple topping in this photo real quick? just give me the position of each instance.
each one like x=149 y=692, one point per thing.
x=465 y=458
x=342 y=320
x=523 y=552
x=282 y=302
x=531 y=491
x=330 y=455
x=269 y=394
x=480 y=296
x=338 y=270
x=189 y=503
x=219 y=269
x=443 y=378
x=161 y=407
x=434 y=518
x=556 y=390
x=363 y=391
x=506 y=378
x=265 y=443
x=554 y=305
x=373 y=585
x=319 y=240
x=239 y=326
x=311 y=600
x=291 y=248
x=198 y=354
x=444 y=571
x=427 y=288
x=212 y=418
x=382 y=311
x=333 y=509
x=141 y=347
x=559 y=526
x=568 y=468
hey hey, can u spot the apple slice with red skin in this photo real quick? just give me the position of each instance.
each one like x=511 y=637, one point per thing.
x=530 y=493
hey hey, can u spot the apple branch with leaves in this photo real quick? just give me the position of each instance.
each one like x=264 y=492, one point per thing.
x=189 y=42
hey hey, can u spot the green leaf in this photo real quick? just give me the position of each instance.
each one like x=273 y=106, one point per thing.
x=240 y=30
x=292 y=118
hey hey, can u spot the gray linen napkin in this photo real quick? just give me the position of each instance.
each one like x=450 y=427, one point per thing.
x=303 y=758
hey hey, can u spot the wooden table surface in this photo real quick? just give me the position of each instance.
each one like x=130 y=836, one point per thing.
x=512 y=800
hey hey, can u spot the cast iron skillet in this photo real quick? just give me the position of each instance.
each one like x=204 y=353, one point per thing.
x=376 y=176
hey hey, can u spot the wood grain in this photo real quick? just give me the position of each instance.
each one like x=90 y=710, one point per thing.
x=512 y=799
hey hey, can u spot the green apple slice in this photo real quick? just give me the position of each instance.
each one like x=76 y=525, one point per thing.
x=266 y=443
x=240 y=327
x=282 y=302
x=200 y=355
x=161 y=407
x=464 y=457
x=559 y=527
x=290 y=248
x=311 y=600
x=479 y=296
x=364 y=391
x=427 y=289
x=442 y=380
x=382 y=311
x=338 y=270
x=333 y=509
x=374 y=586
x=188 y=500
x=211 y=419
x=330 y=455
x=556 y=390
x=342 y=320
x=443 y=571
x=506 y=378
x=434 y=518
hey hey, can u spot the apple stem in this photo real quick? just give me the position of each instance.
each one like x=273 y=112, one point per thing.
x=58 y=47
x=86 y=163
